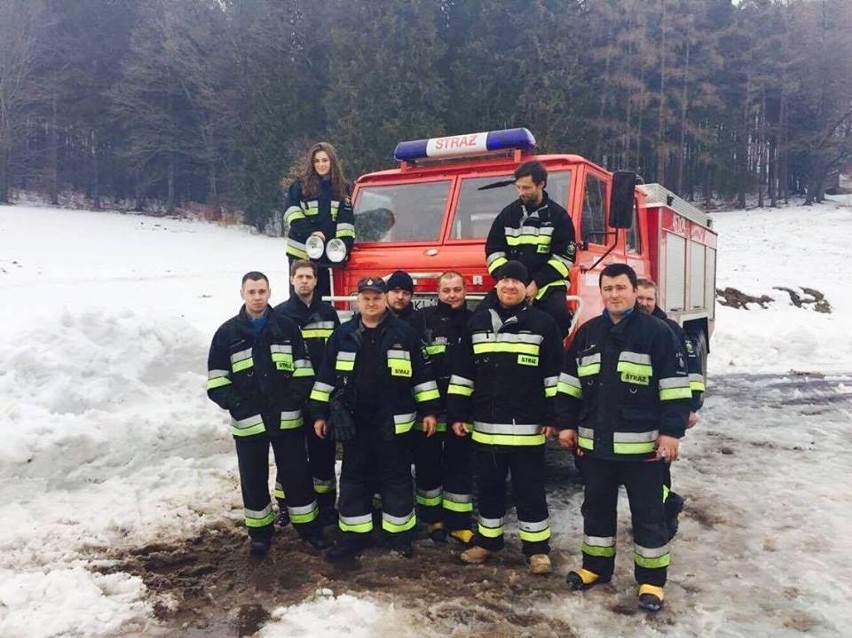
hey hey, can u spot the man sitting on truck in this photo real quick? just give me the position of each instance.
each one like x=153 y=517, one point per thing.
x=537 y=232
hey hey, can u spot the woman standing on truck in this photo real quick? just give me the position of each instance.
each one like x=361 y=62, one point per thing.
x=319 y=204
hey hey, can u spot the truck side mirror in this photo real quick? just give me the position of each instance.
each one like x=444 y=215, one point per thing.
x=621 y=199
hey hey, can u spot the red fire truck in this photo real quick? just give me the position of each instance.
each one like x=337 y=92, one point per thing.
x=433 y=213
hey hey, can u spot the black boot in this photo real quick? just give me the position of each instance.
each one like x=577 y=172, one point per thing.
x=260 y=547
x=347 y=547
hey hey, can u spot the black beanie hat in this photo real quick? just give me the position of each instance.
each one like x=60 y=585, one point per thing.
x=401 y=279
x=514 y=270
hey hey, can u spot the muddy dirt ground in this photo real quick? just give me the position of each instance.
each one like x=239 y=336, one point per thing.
x=210 y=586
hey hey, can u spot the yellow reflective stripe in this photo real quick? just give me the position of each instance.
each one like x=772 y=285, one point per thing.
x=345 y=230
x=502 y=346
x=259 y=518
x=460 y=390
x=303 y=514
x=632 y=448
x=403 y=422
x=550 y=392
x=654 y=562
x=436 y=348
x=398 y=524
x=508 y=439
x=344 y=366
x=296 y=249
x=696 y=383
x=570 y=385
x=245 y=364
x=635 y=368
x=455 y=506
x=588 y=369
x=526 y=239
x=429 y=498
x=316 y=333
x=427 y=391
x=672 y=394
x=490 y=527
x=496 y=263
x=321 y=391
x=553 y=284
x=534 y=537
x=291 y=420
x=594 y=550
x=292 y=214
x=218 y=382
x=248 y=426
x=357 y=524
x=558 y=266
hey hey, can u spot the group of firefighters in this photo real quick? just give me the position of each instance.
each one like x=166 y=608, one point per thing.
x=469 y=398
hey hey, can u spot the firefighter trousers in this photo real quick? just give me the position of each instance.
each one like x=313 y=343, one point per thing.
x=443 y=479
x=371 y=461
x=491 y=468
x=643 y=481
x=321 y=458
x=291 y=461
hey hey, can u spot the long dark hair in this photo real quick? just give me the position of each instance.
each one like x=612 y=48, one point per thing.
x=310 y=179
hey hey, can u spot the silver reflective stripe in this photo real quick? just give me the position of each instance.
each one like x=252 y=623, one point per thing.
x=430 y=493
x=457 y=380
x=549 y=382
x=458 y=498
x=493 y=523
x=397 y=520
x=302 y=363
x=323 y=387
x=674 y=382
x=696 y=376
x=239 y=356
x=586 y=433
x=518 y=429
x=214 y=374
x=248 y=422
x=494 y=256
x=399 y=354
x=599 y=541
x=484 y=337
x=635 y=357
x=426 y=386
x=295 y=244
x=527 y=230
x=539 y=526
x=590 y=359
x=400 y=419
x=288 y=349
x=635 y=437
x=564 y=377
x=266 y=511
x=651 y=552
x=303 y=509
x=345 y=226
x=346 y=356
x=568 y=263
x=292 y=415
x=319 y=325
x=356 y=520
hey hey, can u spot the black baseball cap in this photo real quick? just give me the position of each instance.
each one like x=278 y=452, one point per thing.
x=376 y=284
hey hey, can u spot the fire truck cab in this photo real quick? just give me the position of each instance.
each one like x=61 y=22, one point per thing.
x=434 y=211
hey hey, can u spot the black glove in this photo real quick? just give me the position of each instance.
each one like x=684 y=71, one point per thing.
x=341 y=423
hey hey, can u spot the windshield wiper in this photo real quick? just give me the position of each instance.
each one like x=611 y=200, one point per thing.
x=500 y=184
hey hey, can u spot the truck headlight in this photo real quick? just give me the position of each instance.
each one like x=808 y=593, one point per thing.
x=314 y=246
x=335 y=250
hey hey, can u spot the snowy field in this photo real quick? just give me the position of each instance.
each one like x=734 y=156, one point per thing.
x=109 y=441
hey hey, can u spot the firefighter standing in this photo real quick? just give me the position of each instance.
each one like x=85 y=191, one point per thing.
x=258 y=370
x=377 y=362
x=504 y=381
x=538 y=232
x=646 y=298
x=442 y=462
x=623 y=402
x=319 y=204
x=317 y=320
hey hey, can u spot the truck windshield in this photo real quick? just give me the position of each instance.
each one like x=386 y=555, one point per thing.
x=401 y=212
x=482 y=198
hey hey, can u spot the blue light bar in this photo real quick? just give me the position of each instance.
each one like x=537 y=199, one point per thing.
x=468 y=144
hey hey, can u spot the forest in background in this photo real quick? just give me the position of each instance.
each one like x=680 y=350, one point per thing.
x=158 y=103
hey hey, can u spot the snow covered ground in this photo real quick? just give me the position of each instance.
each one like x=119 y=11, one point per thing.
x=109 y=441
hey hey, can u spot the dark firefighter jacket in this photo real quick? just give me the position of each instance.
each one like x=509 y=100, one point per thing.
x=622 y=385
x=334 y=218
x=262 y=378
x=693 y=360
x=403 y=380
x=317 y=322
x=505 y=377
x=441 y=330
x=542 y=239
